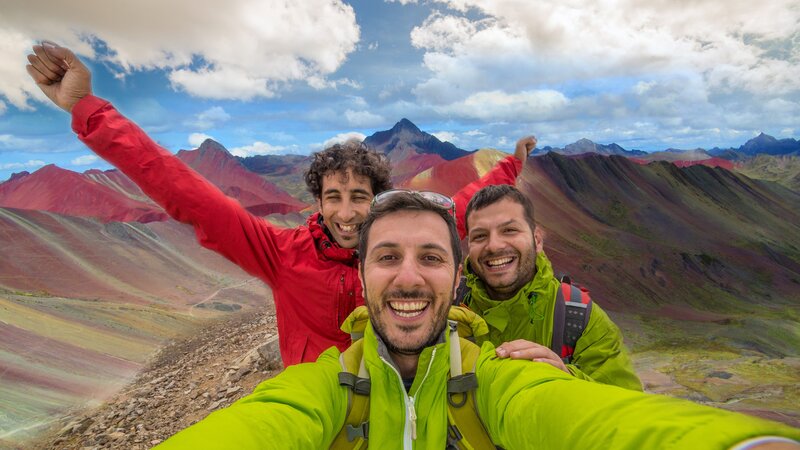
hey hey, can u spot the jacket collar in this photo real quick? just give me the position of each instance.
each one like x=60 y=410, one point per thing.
x=501 y=309
x=326 y=245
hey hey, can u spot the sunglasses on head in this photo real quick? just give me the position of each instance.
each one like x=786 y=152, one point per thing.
x=436 y=198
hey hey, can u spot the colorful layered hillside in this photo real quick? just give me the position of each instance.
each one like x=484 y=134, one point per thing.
x=784 y=170
x=111 y=196
x=84 y=304
x=65 y=192
x=685 y=158
x=256 y=194
x=448 y=177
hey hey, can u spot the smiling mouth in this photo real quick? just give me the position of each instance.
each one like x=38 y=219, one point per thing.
x=499 y=263
x=408 y=309
x=347 y=228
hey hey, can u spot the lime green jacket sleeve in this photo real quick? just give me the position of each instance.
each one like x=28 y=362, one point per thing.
x=303 y=407
x=534 y=405
x=600 y=355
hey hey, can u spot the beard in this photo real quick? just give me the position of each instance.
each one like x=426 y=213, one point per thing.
x=436 y=325
x=501 y=289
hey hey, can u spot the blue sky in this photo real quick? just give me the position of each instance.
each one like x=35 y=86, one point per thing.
x=268 y=76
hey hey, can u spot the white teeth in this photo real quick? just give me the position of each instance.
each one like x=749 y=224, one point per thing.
x=499 y=261
x=347 y=228
x=408 y=309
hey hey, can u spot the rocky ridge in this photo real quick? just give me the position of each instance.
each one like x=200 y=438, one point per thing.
x=186 y=381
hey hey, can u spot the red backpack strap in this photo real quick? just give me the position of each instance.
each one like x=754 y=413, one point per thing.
x=570 y=317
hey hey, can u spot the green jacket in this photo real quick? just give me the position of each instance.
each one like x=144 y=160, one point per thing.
x=599 y=354
x=524 y=405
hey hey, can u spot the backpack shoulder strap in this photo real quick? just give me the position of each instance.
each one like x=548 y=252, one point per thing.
x=465 y=429
x=570 y=317
x=355 y=378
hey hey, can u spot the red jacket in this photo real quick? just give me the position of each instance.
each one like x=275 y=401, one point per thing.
x=314 y=281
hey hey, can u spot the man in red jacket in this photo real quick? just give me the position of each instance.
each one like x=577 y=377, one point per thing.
x=311 y=269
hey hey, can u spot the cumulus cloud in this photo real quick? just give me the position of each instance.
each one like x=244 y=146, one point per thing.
x=258 y=148
x=30 y=164
x=195 y=139
x=363 y=118
x=338 y=139
x=209 y=118
x=9 y=142
x=542 y=45
x=84 y=160
x=266 y=43
x=499 y=105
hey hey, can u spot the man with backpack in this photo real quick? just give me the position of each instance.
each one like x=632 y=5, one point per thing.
x=531 y=314
x=403 y=377
x=311 y=269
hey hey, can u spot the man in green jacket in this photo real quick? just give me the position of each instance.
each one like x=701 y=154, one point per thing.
x=513 y=288
x=409 y=251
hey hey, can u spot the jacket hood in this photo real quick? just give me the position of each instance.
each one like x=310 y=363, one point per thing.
x=327 y=246
x=501 y=309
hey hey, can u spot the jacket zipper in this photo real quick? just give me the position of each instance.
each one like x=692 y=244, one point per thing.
x=411 y=412
x=340 y=301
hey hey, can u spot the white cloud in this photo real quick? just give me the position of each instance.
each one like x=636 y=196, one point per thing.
x=195 y=139
x=210 y=118
x=534 y=46
x=84 y=160
x=499 y=105
x=338 y=139
x=13 y=143
x=402 y=2
x=245 y=50
x=363 y=118
x=446 y=136
x=473 y=133
x=257 y=148
x=30 y=164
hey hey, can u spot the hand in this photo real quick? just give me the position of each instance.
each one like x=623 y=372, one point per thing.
x=59 y=74
x=524 y=147
x=522 y=349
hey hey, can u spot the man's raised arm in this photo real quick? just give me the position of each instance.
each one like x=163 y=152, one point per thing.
x=220 y=222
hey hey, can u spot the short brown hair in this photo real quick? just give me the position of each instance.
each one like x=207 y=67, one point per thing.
x=407 y=202
x=354 y=155
x=494 y=193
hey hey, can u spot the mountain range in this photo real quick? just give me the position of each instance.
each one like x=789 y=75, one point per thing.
x=696 y=258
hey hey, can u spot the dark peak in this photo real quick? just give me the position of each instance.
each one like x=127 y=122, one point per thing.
x=210 y=145
x=762 y=138
x=406 y=124
x=18 y=175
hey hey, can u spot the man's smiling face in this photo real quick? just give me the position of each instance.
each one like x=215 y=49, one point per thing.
x=344 y=204
x=409 y=279
x=501 y=248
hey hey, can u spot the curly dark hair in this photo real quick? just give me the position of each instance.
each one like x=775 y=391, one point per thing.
x=354 y=155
